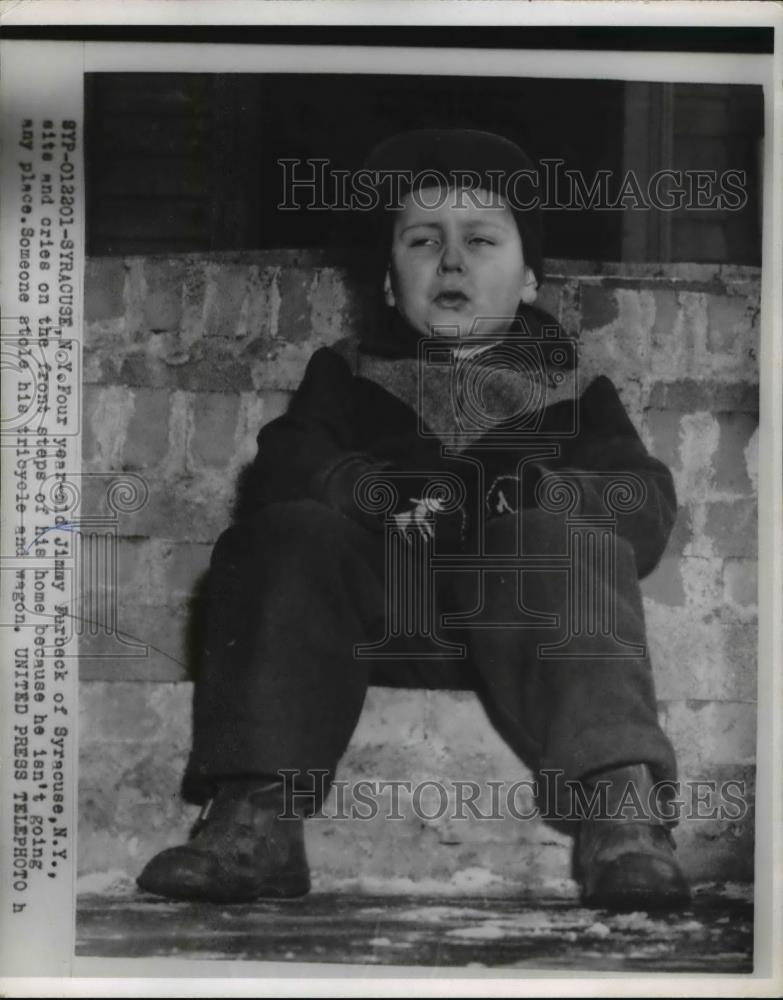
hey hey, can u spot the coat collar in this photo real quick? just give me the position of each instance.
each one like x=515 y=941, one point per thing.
x=392 y=337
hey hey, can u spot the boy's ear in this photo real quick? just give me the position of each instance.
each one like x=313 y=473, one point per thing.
x=388 y=292
x=529 y=287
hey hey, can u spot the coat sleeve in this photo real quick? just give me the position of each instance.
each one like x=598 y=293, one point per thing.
x=310 y=451
x=607 y=442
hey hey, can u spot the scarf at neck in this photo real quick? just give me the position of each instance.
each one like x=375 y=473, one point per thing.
x=463 y=391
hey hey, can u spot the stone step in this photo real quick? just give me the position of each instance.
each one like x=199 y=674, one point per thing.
x=134 y=739
x=715 y=935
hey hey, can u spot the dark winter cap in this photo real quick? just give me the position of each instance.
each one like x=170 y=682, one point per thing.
x=469 y=159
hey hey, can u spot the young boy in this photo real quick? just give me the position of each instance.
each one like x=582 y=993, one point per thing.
x=533 y=463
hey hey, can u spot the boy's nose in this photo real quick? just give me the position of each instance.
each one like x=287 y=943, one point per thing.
x=451 y=259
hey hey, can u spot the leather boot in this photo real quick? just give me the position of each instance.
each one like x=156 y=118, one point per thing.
x=239 y=851
x=628 y=862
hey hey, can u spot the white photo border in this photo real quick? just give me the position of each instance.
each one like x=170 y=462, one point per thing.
x=94 y=56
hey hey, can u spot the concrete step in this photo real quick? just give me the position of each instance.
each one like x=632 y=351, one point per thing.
x=134 y=739
x=715 y=935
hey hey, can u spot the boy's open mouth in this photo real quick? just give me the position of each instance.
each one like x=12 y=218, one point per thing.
x=451 y=300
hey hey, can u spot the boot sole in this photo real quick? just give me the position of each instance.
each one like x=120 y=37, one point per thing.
x=628 y=902
x=201 y=894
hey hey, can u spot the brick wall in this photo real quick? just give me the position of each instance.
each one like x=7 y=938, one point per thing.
x=186 y=358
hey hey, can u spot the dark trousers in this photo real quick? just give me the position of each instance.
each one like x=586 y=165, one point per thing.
x=292 y=591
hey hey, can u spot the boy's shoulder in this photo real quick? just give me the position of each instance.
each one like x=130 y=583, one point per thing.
x=346 y=348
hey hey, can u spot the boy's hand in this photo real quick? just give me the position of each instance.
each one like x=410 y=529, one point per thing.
x=428 y=518
x=509 y=494
x=419 y=518
x=503 y=496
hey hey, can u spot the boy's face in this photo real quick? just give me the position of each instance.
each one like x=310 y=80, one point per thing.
x=457 y=262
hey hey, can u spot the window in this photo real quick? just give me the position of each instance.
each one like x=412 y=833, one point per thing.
x=189 y=162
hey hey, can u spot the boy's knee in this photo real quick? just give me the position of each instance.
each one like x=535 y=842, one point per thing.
x=539 y=532
x=530 y=532
x=290 y=516
x=291 y=523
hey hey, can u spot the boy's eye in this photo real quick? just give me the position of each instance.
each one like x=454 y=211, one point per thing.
x=423 y=241
x=482 y=240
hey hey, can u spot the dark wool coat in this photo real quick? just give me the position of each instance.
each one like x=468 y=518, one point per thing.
x=358 y=410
